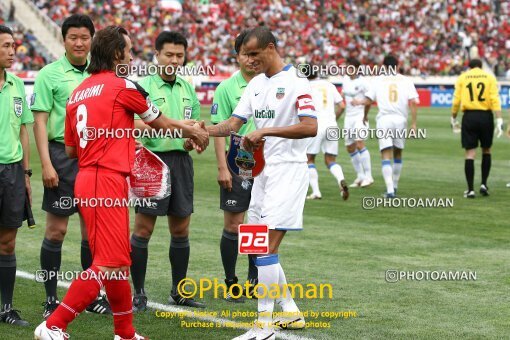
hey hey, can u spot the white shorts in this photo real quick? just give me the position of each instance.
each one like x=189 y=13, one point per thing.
x=322 y=142
x=278 y=196
x=394 y=123
x=354 y=129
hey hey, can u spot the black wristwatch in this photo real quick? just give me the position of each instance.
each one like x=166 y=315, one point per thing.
x=28 y=172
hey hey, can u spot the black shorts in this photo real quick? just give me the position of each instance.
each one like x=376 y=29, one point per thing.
x=12 y=195
x=237 y=200
x=180 y=201
x=67 y=169
x=477 y=126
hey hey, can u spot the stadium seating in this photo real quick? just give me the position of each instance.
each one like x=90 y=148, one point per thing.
x=430 y=38
x=29 y=55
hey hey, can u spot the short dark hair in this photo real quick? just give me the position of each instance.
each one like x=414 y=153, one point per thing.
x=78 y=21
x=475 y=63
x=353 y=61
x=390 y=60
x=5 y=29
x=107 y=45
x=239 y=40
x=263 y=34
x=168 y=37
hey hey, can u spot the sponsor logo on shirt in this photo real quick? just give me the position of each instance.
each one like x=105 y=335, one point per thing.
x=265 y=113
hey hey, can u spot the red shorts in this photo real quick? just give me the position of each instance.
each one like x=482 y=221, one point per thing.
x=107 y=224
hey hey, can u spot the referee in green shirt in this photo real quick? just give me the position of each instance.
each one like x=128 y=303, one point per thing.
x=53 y=86
x=235 y=194
x=176 y=98
x=14 y=172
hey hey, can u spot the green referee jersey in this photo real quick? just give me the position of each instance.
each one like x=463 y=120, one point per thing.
x=178 y=101
x=227 y=95
x=53 y=86
x=14 y=112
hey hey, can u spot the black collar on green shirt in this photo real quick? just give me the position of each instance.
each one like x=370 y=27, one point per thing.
x=80 y=68
x=170 y=82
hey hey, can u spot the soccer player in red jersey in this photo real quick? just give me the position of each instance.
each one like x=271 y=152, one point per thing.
x=107 y=101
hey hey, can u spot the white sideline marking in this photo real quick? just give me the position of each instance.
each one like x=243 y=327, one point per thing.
x=168 y=308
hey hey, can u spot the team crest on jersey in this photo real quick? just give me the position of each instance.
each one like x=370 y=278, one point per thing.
x=18 y=106
x=32 y=99
x=187 y=112
x=280 y=93
x=244 y=163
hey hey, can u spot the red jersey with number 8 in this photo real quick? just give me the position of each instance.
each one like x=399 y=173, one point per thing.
x=100 y=119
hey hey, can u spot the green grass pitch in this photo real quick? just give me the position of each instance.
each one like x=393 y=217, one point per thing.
x=343 y=245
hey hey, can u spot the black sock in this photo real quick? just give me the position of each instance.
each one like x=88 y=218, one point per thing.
x=139 y=256
x=179 y=258
x=51 y=257
x=228 y=250
x=86 y=255
x=253 y=273
x=486 y=167
x=469 y=169
x=7 y=278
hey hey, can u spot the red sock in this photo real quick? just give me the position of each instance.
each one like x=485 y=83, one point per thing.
x=82 y=292
x=119 y=296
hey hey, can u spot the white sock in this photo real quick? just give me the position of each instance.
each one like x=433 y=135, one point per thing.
x=397 y=169
x=387 y=173
x=356 y=163
x=314 y=179
x=364 y=156
x=286 y=302
x=269 y=269
x=336 y=170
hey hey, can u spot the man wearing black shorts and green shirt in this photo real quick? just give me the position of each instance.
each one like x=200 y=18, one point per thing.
x=53 y=86
x=235 y=194
x=177 y=98
x=14 y=172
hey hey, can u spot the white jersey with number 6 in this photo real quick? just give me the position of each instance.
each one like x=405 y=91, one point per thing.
x=392 y=94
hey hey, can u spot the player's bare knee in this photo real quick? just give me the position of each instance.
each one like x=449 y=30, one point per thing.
x=55 y=232
x=232 y=221
x=329 y=160
x=486 y=151
x=273 y=248
x=7 y=246
x=143 y=228
x=179 y=226
x=182 y=231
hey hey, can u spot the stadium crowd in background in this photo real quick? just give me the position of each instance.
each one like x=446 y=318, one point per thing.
x=430 y=37
x=27 y=55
